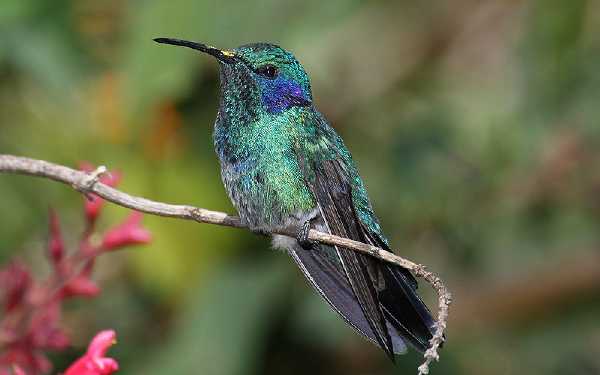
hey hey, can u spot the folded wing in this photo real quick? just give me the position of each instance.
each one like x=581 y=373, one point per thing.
x=378 y=299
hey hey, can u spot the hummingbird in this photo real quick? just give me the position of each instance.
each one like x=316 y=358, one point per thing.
x=286 y=169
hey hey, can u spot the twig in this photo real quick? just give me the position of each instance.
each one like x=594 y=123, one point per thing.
x=88 y=183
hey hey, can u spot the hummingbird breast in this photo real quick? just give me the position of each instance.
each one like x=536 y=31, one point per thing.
x=261 y=173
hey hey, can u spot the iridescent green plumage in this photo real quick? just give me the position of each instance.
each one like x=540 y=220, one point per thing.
x=285 y=167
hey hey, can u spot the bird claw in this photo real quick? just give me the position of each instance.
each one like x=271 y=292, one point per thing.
x=302 y=237
x=261 y=232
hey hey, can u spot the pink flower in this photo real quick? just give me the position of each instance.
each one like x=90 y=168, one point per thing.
x=130 y=232
x=93 y=361
x=93 y=203
x=30 y=322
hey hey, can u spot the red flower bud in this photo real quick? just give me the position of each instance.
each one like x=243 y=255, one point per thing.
x=93 y=361
x=26 y=358
x=92 y=206
x=130 y=232
x=81 y=286
x=93 y=203
x=15 y=281
x=44 y=329
x=56 y=245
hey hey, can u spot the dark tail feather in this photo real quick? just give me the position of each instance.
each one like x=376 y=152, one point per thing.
x=404 y=309
x=332 y=285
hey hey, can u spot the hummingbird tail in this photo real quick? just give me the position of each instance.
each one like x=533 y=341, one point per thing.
x=404 y=309
x=325 y=277
x=408 y=318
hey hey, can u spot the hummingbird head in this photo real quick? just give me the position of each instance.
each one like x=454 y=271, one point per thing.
x=257 y=76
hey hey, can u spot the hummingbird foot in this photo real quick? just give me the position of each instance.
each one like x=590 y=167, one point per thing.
x=261 y=231
x=302 y=237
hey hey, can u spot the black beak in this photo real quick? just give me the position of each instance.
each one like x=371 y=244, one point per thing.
x=221 y=55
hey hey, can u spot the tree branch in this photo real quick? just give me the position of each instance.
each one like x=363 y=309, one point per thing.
x=88 y=183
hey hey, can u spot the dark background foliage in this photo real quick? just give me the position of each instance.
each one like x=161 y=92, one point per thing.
x=474 y=125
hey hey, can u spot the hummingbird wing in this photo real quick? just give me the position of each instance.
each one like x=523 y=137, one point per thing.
x=376 y=298
x=332 y=192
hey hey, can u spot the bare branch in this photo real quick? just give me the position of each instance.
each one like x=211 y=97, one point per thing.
x=88 y=183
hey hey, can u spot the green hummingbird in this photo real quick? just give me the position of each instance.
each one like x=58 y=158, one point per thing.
x=285 y=168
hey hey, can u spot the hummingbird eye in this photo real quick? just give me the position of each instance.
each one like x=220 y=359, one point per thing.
x=269 y=71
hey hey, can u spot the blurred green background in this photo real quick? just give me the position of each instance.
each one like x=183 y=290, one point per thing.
x=474 y=124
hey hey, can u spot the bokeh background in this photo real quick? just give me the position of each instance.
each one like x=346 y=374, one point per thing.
x=474 y=124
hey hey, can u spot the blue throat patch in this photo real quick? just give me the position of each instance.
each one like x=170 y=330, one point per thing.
x=280 y=94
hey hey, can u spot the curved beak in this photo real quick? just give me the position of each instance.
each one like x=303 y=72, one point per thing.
x=225 y=56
